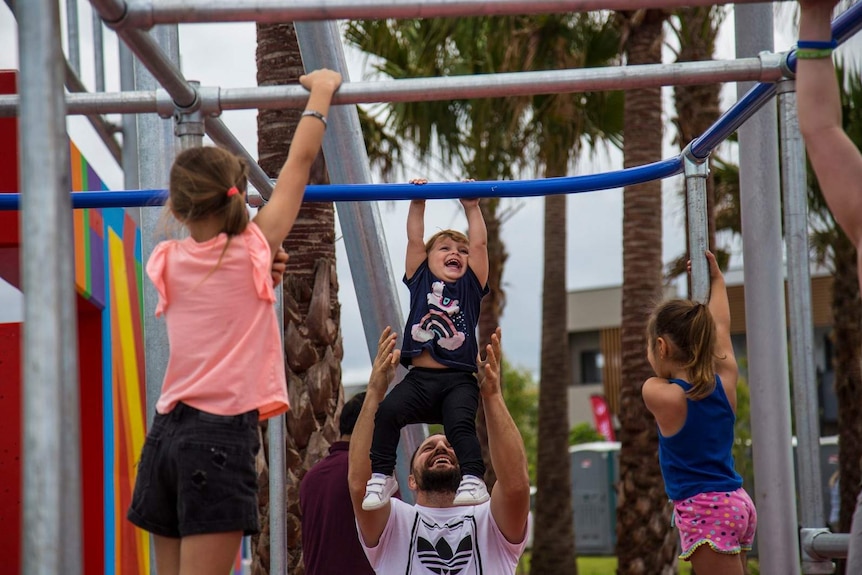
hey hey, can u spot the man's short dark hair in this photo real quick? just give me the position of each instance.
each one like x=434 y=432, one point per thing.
x=350 y=413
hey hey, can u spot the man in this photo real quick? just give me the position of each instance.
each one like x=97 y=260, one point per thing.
x=434 y=536
x=835 y=159
x=329 y=540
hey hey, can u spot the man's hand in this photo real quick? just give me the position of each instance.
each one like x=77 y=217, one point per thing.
x=492 y=366
x=279 y=266
x=383 y=368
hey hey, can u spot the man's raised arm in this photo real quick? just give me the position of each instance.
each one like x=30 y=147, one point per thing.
x=371 y=523
x=510 y=498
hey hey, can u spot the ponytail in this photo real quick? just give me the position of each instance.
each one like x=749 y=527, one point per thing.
x=701 y=367
x=689 y=328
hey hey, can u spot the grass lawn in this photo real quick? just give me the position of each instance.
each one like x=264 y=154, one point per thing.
x=608 y=566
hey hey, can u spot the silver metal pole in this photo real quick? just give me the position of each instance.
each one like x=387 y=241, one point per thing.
x=130 y=122
x=157 y=147
x=163 y=68
x=214 y=101
x=696 y=173
x=821 y=544
x=146 y=13
x=73 y=35
x=364 y=239
x=276 y=437
x=801 y=325
x=775 y=493
x=98 y=51
x=51 y=451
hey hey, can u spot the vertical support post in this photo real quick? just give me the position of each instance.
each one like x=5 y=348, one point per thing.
x=276 y=433
x=99 y=51
x=131 y=181
x=156 y=148
x=775 y=493
x=696 y=173
x=52 y=524
x=320 y=44
x=73 y=36
x=801 y=323
x=156 y=151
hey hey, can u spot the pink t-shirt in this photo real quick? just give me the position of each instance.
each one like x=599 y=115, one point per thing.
x=226 y=354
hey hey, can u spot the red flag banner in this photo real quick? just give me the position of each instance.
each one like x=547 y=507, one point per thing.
x=602 y=417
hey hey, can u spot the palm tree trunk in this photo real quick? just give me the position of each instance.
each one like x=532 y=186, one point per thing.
x=847 y=315
x=312 y=334
x=554 y=539
x=643 y=514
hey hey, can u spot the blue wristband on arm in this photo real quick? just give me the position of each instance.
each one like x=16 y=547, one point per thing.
x=816 y=44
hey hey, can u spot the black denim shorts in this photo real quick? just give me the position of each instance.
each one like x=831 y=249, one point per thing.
x=197 y=474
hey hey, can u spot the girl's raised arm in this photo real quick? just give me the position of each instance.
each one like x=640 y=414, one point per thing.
x=276 y=218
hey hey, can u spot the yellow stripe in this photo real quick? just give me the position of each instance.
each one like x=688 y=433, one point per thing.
x=131 y=412
x=135 y=425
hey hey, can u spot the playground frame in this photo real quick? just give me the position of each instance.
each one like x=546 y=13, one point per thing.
x=51 y=437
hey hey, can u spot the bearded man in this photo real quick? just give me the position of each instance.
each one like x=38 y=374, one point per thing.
x=434 y=536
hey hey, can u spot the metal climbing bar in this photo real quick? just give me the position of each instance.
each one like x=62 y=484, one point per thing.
x=216 y=100
x=147 y=13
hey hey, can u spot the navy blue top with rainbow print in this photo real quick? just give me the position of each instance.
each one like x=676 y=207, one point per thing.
x=443 y=318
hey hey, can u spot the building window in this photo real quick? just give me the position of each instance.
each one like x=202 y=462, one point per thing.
x=592 y=362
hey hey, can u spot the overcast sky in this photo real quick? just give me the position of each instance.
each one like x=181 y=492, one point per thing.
x=223 y=55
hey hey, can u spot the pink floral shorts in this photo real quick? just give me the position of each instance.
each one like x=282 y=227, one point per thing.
x=726 y=521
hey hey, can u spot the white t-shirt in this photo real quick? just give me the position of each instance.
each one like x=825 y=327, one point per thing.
x=421 y=540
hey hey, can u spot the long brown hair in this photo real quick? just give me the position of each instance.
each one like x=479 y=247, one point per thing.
x=199 y=184
x=689 y=329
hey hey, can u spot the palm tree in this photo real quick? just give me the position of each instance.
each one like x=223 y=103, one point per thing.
x=831 y=246
x=312 y=333
x=643 y=515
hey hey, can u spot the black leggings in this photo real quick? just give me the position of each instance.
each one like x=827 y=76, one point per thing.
x=425 y=395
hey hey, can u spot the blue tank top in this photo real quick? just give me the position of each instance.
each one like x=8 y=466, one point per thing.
x=443 y=318
x=698 y=458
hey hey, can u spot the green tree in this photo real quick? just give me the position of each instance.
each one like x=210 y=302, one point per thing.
x=584 y=433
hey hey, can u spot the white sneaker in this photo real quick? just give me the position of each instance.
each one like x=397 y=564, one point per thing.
x=378 y=490
x=471 y=491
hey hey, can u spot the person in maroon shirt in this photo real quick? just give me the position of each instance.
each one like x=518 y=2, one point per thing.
x=330 y=543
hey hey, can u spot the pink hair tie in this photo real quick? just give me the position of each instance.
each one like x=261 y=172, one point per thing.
x=232 y=191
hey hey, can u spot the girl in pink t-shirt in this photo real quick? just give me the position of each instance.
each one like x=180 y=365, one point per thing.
x=196 y=484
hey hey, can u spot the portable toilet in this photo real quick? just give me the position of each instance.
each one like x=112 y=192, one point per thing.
x=595 y=474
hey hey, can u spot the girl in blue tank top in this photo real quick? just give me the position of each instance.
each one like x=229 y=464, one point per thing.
x=693 y=399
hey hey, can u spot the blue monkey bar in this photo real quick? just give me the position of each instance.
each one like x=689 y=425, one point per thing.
x=430 y=191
